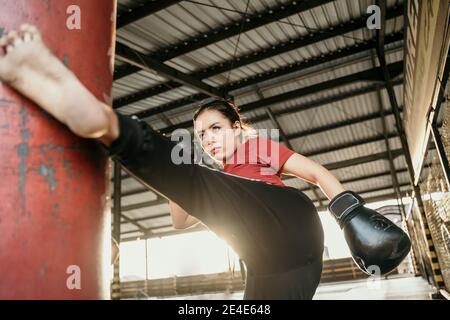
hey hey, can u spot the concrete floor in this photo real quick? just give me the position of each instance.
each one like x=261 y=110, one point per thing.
x=401 y=288
x=395 y=288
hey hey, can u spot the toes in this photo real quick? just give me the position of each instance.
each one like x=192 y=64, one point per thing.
x=31 y=30
x=25 y=27
x=17 y=41
x=10 y=41
x=26 y=37
x=9 y=48
x=12 y=34
x=11 y=38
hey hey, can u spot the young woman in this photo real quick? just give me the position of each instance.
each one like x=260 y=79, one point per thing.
x=274 y=229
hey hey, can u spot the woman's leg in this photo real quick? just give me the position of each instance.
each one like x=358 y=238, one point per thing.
x=297 y=284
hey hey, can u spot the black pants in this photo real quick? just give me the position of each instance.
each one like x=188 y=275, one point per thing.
x=296 y=284
x=275 y=230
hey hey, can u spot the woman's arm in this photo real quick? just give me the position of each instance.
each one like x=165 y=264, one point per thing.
x=180 y=218
x=312 y=172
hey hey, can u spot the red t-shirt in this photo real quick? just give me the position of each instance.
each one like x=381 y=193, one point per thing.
x=259 y=158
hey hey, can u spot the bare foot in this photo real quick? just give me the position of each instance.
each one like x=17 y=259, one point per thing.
x=28 y=66
x=22 y=52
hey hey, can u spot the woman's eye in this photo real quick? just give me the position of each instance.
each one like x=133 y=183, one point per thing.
x=216 y=128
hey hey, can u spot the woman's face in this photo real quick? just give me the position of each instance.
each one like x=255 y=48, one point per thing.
x=217 y=136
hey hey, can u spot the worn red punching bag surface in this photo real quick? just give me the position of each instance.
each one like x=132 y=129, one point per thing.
x=54 y=218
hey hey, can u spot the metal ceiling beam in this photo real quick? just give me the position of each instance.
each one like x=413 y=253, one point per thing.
x=350 y=144
x=383 y=188
x=223 y=32
x=297 y=108
x=371 y=199
x=353 y=143
x=258 y=78
x=152 y=228
x=364 y=159
x=146 y=204
x=131 y=56
x=122 y=176
x=360 y=178
x=199 y=227
x=129 y=220
x=319 y=102
x=372 y=176
x=368 y=177
x=368 y=75
x=134 y=192
x=336 y=125
x=143 y=10
x=152 y=217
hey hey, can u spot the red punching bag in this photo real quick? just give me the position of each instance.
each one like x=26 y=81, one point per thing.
x=54 y=216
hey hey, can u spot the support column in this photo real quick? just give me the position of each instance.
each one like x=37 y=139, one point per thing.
x=433 y=260
x=117 y=217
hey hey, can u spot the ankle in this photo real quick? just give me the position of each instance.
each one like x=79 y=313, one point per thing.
x=93 y=123
x=81 y=111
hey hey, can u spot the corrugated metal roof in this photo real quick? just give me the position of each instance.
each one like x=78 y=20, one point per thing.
x=137 y=198
x=298 y=55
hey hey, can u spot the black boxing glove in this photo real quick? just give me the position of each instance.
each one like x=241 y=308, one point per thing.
x=374 y=240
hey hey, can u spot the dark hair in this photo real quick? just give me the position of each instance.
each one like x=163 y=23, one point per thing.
x=228 y=109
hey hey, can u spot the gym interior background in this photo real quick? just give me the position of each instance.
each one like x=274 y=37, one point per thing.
x=336 y=78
